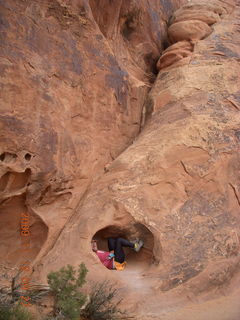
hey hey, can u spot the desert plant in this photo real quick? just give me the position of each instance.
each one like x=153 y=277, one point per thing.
x=10 y=312
x=58 y=317
x=37 y=291
x=65 y=286
x=103 y=304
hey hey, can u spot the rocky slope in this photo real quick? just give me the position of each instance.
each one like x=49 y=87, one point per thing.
x=170 y=155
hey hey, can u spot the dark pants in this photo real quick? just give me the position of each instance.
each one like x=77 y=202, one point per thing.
x=117 y=245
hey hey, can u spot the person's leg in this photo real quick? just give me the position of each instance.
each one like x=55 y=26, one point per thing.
x=111 y=244
x=119 y=253
x=125 y=243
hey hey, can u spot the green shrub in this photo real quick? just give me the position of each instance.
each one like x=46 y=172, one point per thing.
x=9 y=312
x=65 y=287
x=103 y=304
x=5 y=312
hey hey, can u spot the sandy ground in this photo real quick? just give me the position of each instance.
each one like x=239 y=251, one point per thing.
x=224 y=308
x=163 y=307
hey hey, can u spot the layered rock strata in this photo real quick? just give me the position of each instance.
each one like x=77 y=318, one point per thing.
x=189 y=24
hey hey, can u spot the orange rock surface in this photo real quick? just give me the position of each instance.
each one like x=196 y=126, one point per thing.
x=75 y=77
x=188 y=30
x=175 y=53
x=95 y=145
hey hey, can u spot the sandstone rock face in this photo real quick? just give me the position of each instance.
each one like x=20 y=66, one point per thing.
x=185 y=32
x=75 y=76
x=176 y=186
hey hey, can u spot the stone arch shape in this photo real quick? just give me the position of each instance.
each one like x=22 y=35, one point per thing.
x=145 y=257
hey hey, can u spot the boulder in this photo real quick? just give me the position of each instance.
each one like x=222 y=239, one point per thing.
x=193 y=30
x=203 y=15
x=174 y=53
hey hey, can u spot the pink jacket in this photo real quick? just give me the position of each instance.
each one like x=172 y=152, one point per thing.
x=103 y=257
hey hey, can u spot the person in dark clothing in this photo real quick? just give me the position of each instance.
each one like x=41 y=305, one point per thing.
x=115 y=258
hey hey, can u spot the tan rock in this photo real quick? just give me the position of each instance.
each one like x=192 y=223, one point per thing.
x=185 y=45
x=75 y=81
x=188 y=30
x=175 y=53
x=75 y=85
x=216 y=6
x=203 y=15
x=178 y=183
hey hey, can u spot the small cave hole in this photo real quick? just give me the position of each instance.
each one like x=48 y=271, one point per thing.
x=165 y=44
x=131 y=20
x=13 y=181
x=141 y=259
x=28 y=156
x=128 y=29
x=151 y=62
x=4 y=180
x=7 y=157
x=2 y=156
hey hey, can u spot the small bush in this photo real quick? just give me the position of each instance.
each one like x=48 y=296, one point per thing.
x=9 y=312
x=102 y=305
x=5 y=312
x=65 y=287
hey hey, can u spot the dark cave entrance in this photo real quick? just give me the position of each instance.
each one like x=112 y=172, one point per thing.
x=144 y=257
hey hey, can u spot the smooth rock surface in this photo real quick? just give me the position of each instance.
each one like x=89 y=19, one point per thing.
x=189 y=30
x=175 y=53
x=203 y=15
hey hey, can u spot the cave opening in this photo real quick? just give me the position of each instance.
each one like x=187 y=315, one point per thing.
x=28 y=156
x=8 y=157
x=144 y=257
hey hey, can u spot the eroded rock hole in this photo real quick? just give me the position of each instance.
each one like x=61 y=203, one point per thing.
x=151 y=61
x=165 y=44
x=137 y=230
x=28 y=156
x=130 y=23
x=8 y=157
x=12 y=181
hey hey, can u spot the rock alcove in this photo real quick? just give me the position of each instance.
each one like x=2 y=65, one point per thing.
x=13 y=205
x=144 y=257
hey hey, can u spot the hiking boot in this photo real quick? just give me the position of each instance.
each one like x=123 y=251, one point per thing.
x=138 y=244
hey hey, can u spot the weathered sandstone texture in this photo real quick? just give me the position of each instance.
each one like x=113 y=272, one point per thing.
x=77 y=100
x=75 y=76
x=189 y=24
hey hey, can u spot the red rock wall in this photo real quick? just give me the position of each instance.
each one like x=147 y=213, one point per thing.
x=179 y=177
x=75 y=76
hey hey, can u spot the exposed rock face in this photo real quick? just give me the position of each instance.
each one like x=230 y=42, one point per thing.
x=188 y=30
x=189 y=24
x=175 y=53
x=177 y=186
x=75 y=77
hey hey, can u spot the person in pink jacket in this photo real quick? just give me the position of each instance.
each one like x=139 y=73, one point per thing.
x=114 y=259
